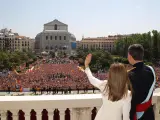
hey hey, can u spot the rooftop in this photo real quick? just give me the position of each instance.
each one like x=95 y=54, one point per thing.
x=57 y=22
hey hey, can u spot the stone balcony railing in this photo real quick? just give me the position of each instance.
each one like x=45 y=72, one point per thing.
x=56 y=107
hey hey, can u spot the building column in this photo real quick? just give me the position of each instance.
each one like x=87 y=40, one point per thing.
x=62 y=114
x=27 y=114
x=39 y=114
x=50 y=114
x=3 y=115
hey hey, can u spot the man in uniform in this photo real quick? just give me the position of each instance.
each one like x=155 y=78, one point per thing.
x=142 y=78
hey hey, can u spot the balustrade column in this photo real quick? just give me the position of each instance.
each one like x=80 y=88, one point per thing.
x=88 y=112
x=156 y=104
x=74 y=114
x=62 y=114
x=83 y=114
x=3 y=115
x=39 y=114
x=98 y=108
x=157 y=111
x=15 y=114
x=27 y=114
x=71 y=114
x=50 y=114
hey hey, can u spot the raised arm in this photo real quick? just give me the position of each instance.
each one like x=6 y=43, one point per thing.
x=94 y=81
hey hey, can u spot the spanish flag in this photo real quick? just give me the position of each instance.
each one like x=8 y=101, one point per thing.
x=17 y=81
x=21 y=89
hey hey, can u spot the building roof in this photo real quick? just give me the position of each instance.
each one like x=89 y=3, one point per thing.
x=101 y=38
x=61 y=31
x=20 y=36
x=98 y=39
x=93 y=41
x=55 y=22
x=16 y=34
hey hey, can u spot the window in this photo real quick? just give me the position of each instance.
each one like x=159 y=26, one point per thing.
x=46 y=37
x=55 y=27
x=59 y=37
x=64 y=37
x=46 y=47
x=55 y=37
x=51 y=37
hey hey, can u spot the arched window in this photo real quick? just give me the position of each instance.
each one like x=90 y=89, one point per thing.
x=55 y=27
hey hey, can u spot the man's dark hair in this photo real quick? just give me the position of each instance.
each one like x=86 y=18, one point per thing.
x=136 y=51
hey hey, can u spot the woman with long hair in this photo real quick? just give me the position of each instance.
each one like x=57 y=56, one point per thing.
x=116 y=92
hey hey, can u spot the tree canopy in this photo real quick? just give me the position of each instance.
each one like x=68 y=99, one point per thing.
x=100 y=59
x=13 y=59
x=150 y=42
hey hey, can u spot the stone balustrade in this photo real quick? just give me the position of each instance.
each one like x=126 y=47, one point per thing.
x=57 y=107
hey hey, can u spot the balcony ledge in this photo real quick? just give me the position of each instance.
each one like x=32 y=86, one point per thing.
x=56 y=101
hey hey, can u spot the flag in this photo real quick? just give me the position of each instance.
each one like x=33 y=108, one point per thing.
x=21 y=89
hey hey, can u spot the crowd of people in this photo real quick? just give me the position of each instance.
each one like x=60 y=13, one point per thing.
x=54 y=75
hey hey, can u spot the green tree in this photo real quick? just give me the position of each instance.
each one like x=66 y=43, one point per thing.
x=150 y=44
x=155 y=44
x=100 y=58
x=13 y=59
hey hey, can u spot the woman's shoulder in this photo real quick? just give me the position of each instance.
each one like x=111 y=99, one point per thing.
x=128 y=96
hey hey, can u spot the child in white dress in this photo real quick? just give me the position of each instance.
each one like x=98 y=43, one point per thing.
x=116 y=96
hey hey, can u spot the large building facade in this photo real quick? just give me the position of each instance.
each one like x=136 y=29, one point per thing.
x=55 y=37
x=106 y=43
x=13 y=42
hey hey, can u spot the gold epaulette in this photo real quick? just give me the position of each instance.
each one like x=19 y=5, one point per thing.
x=80 y=68
x=131 y=69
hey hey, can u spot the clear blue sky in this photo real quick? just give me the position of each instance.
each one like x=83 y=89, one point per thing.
x=90 y=18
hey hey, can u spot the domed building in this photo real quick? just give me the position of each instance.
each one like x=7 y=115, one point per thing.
x=55 y=37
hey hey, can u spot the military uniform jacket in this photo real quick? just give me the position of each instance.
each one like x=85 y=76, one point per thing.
x=142 y=78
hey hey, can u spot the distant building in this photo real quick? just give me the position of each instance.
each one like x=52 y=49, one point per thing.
x=55 y=37
x=106 y=43
x=12 y=41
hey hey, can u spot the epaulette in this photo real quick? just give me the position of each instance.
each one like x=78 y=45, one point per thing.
x=80 y=68
x=131 y=69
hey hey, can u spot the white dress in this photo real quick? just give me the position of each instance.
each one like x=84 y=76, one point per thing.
x=109 y=110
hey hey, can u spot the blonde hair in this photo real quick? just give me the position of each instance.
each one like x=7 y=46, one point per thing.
x=118 y=82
